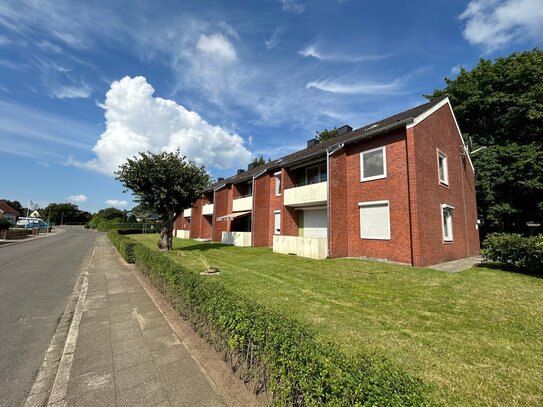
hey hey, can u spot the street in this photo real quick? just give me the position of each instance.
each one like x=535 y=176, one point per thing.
x=36 y=279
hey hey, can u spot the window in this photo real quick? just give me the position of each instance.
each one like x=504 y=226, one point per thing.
x=277 y=222
x=250 y=188
x=316 y=174
x=373 y=164
x=443 y=170
x=374 y=220
x=446 y=214
x=277 y=183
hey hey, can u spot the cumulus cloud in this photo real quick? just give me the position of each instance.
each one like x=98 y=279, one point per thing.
x=116 y=203
x=494 y=24
x=358 y=88
x=77 y=198
x=136 y=121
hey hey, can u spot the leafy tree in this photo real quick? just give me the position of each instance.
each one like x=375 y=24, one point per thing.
x=165 y=182
x=259 y=160
x=111 y=214
x=65 y=212
x=326 y=134
x=16 y=205
x=141 y=211
x=500 y=105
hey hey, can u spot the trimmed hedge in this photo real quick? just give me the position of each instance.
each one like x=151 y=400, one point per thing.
x=515 y=251
x=276 y=353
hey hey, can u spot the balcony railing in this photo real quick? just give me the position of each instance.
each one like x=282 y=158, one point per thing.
x=306 y=195
x=312 y=247
x=187 y=213
x=243 y=203
x=207 y=209
x=236 y=238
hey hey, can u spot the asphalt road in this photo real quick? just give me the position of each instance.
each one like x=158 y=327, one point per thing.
x=36 y=279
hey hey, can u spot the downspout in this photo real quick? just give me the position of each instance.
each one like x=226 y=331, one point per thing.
x=253 y=206
x=329 y=151
x=409 y=200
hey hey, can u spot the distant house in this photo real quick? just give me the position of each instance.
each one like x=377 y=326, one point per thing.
x=401 y=189
x=7 y=212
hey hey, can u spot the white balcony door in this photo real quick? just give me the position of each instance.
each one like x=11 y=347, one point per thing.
x=315 y=223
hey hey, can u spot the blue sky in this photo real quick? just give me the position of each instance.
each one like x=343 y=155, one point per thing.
x=85 y=84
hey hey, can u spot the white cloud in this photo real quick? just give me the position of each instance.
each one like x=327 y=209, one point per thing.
x=455 y=70
x=116 y=203
x=77 y=198
x=72 y=92
x=4 y=40
x=314 y=52
x=136 y=121
x=274 y=39
x=218 y=46
x=359 y=88
x=292 y=5
x=494 y=24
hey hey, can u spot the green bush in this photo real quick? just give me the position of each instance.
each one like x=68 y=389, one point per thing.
x=5 y=224
x=516 y=252
x=274 y=352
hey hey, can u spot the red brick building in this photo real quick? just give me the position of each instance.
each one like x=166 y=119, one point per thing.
x=401 y=189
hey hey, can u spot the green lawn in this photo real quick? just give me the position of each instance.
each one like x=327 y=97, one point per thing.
x=476 y=335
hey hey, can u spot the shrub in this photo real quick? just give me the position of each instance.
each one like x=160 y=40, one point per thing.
x=276 y=353
x=514 y=251
x=4 y=224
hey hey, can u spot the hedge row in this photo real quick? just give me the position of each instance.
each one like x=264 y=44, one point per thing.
x=515 y=251
x=277 y=354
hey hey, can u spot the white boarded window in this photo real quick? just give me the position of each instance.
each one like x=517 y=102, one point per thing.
x=446 y=217
x=442 y=167
x=373 y=164
x=374 y=220
x=277 y=176
x=277 y=222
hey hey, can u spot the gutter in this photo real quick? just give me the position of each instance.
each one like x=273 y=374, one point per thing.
x=329 y=151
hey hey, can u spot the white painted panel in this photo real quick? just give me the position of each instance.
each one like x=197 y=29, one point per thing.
x=315 y=223
x=375 y=221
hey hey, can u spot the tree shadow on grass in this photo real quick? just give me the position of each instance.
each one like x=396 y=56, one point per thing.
x=202 y=246
x=508 y=269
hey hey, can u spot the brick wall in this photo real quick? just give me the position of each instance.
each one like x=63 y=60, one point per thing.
x=345 y=219
x=261 y=210
x=196 y=219
x=439 y=131
x=222 y=206
x=289 y=216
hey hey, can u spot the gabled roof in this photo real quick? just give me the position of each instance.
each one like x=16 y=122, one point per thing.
x=5 y=208
x=370 y=130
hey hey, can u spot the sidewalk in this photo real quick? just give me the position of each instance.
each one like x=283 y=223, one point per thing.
x=126 y=353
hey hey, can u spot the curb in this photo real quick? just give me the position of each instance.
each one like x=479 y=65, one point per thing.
x=49 y=388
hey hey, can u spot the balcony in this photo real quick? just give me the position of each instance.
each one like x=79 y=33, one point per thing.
x=207 y=209
x=242 y=203
x=312 y=247
x=236 y=238
x=187 y=213
x=306 y=195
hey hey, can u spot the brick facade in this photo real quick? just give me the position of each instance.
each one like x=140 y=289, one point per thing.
x=411 y=188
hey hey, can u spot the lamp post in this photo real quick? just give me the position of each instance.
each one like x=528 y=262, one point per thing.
x=61 y=218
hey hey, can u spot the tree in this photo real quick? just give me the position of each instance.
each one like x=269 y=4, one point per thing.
x=499 y=105
x=259 y=160
x=111 y=214
x=64 y=212
x=16 y=205
x=141 y=211
x=326 y=134
x=165 y=182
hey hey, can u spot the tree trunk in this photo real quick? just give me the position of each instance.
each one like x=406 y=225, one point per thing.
x=166 y=232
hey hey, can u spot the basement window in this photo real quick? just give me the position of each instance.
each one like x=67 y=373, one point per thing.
x=373 y=164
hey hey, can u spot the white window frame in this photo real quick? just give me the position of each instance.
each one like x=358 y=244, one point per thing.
x=277 y=177
x=275 y=230
x=374 y=203
x=445 y=180
x=384 y=175
x=448 y=208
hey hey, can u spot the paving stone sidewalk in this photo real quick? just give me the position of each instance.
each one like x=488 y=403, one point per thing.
x=126 y=353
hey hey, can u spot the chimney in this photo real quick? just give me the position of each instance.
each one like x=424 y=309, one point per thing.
x=344 y=129
x=240 y=171
x=220 y=179
x=312 y=142
x=251 y=166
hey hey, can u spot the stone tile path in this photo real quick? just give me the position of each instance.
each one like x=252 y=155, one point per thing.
x=126 y=353
x=458 y=265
